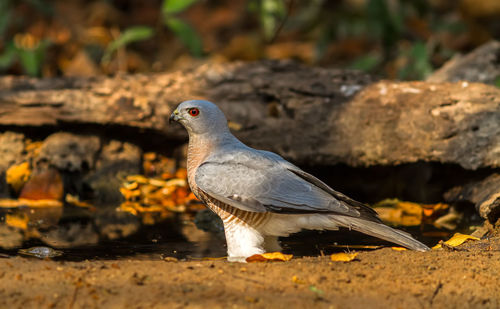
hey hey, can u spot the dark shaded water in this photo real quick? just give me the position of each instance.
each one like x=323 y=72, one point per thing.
x=143 y=246
x=420 y=182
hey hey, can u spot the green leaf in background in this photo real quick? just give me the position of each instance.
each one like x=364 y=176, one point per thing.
x=29 y=62
x=497 y=82
x=419 y=65
x=269 y=13
x=186 y=34
x=176 y=6
x=420 y=55
x=5 y=16
x=32 y=59
x=130 y=35
x=8 y=56
x=384 y=22
x=366 y=63
x=41 y=6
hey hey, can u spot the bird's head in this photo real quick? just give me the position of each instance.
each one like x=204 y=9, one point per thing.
x=200 y=117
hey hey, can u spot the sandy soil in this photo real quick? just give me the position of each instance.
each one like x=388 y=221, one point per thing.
x=465 y=278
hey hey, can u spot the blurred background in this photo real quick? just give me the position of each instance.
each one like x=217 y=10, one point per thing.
x=395 y=39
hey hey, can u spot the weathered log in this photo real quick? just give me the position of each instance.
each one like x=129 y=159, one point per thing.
x=484 y=194
x=309 y=115
x=482 y=65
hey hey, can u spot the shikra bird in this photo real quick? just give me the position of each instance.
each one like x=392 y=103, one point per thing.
x=259 y=195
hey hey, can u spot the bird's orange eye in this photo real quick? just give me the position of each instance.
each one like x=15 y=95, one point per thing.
x=194 y=112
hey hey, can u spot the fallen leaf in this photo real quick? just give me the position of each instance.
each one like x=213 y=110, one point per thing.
x=10 y=203
x=163 y=197
x=33 y=147
x=269 y=256
x=181 y=173
x=17 y=221
x=314 y=289
x=17 y=175
x=295 y=279
x=170 y=259
x=75 y=200
x=137 y=178
x=131 y=186
x=234 y=125
x=398 y=249
x=357 y=246
x=343 y=257
x=456 y=240
x=129 y=194
x=403 y=213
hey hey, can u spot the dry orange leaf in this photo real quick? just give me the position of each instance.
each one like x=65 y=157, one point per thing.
x=149 y=156
x=17 y=221
x=75 y=200
x=407 y=213
x=129 y=194
x=10 y=203
x=128 y=207
x=192 y=197
x=181 y=173
x=456 y=240
x=372 y=247
x=398 y=249
x=295 y=279
x=137 y=178
x=17 y=175
x=42 y=203
x=170 y=259
x=158 y=197
x=343 y=257
x=269 y=256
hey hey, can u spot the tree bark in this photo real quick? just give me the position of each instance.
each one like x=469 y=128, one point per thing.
x=310 y=115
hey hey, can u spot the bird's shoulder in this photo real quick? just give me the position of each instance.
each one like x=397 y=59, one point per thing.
x=244 y=155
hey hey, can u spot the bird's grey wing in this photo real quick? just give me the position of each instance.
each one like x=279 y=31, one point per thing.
x=258 y=184
x=365 y=211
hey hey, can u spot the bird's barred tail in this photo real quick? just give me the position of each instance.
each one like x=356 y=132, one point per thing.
x=381 y=231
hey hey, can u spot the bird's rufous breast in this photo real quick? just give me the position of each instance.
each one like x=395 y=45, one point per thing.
x=198 y=151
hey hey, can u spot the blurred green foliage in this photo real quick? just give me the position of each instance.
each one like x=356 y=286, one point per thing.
x=23 y=48
x=270 y=14
x=419 y=65
x=5 y=16
x=185 y=32
x=176 y=6
x=130 y=35
x=366 y=63
x=32 y=59
x=404 y=39
x=497 y=82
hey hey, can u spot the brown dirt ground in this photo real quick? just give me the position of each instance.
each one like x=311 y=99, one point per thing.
x=465 y=278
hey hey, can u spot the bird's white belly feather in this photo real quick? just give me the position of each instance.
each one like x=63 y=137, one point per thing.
x=284 y=225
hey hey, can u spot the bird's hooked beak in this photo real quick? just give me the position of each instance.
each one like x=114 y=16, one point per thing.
x=174 y=116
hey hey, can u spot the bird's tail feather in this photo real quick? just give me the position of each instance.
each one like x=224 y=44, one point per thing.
x=381 y=231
